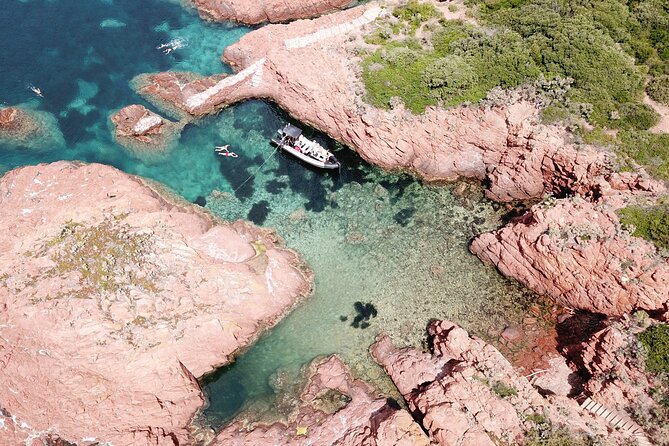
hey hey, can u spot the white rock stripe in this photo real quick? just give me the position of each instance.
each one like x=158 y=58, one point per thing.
x=617 y=421
x=198 y=99
x=300 y=42
x=256 y=80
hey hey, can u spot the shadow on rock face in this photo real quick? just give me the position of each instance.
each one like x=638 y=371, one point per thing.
x=571 y=332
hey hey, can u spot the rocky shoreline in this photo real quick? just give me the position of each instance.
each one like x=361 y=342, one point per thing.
x=115 y=298
x=309 y=68
x=171 y=259
x=253 y=13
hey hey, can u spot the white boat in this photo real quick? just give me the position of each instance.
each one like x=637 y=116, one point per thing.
x=291 y=140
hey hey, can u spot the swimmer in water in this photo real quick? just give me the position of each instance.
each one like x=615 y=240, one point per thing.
x=224 y=151
x=36 y=90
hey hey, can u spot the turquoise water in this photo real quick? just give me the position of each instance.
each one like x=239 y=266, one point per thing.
x=388 y=253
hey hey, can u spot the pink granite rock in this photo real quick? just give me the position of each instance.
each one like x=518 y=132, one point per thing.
x=10 y=119
x=140 y=129
x=310 y=69
x=613 y=363
x=360 y=418
x=467 y=393
x=575 y=251
x=115 y=296
x=253 y=12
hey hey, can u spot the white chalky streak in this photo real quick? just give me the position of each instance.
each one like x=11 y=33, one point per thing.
x=198 y=99
x=300 y=42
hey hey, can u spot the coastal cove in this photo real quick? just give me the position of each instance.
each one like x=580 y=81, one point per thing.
x=386 y=250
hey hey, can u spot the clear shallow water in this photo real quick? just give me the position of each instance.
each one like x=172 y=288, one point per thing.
x=373 y=239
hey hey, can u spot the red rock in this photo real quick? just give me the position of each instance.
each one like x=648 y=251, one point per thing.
x=453 y=391
x=617 y=379
x=253 y=12
x=141 y=129
x=17 y=124
x=309 y=69
x=575 y=251
x=29 y=128
x=512 y=334
x=364 y=420
x=114 y=297
x=9 y=118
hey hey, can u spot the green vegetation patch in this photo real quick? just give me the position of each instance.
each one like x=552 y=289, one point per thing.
x=461 y=65
x=591 y=42
x=650 y=223
x=658 y=89
x=556 y=437
x=584 y=59
x=107 y=257
x=414 y=14
x=656 y=344
x=543 y=433
x=503 y=391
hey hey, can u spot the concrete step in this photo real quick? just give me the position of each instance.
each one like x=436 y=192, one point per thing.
x=617 y=420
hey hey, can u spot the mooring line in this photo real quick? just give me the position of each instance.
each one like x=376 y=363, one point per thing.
x=257 y=170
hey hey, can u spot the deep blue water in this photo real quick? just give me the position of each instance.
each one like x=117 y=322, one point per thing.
x=370 y=236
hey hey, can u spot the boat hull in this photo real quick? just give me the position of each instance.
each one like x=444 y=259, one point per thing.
x=307 y=159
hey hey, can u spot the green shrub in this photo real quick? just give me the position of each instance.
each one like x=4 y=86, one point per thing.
x=637 y=116
x=603 y=75
x=500 y=60
x=658 y=89
x=580 y=40
x=400 y=56
x=415 y=13
x=656 y=344
x=650 y=223
x=647 y=149
x=449 y=76
x=449 y=32
x=555 y=437
x=502 y=390
x=385 y=81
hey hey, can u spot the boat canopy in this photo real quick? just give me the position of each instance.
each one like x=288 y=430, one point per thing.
x=292 y=131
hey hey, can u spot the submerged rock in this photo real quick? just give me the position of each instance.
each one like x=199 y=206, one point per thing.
x=260 y=11
x=333 y=409
x=29 y=128
x=115 y=297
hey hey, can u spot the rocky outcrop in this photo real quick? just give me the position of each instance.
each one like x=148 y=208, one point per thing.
x=12 y=120
x=115 y=297
x=29 y=128
x=334 y=409
x=575 y=251
x=613 y=364
x=139 y=129
x=310 y=69
x=176 y=91
x=260 y=11
x=467 y=393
